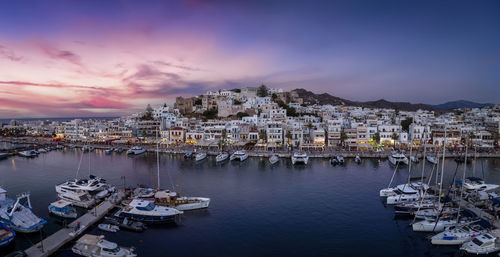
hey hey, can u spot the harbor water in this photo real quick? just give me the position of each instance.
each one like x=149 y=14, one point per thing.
x=256 y=209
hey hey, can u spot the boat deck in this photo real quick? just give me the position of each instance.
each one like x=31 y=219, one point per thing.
x=57 y=240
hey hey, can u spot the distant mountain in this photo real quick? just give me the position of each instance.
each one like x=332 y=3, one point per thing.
x=460 y=104
x=325 y=98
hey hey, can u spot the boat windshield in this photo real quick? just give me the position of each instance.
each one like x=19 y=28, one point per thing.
x=114 y=250
x=477 y=241
x=148 y=207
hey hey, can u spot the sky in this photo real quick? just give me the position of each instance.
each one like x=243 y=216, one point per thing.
x=106 y=58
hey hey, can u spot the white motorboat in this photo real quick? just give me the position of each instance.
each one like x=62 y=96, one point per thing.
x=63 y=209
x=77 y=198
x=477 y=184
x=136 y=150
x=457 y=235
x=96 y=246
x=181 y=203
x=28 y=153
x=118 y=150
x=102 y=194
x=42 y=150
x=357 y=159
x=110 y=150
x=148 y=212
x=274 y=159
x=431 y=159
x=239 y=155
x=397 y=158
x=414 y=159
x=300 y=158
x=200 y=156
x=340 y=159
x=485 y=243
x=108 y=227
x=92 y=185
x=441 y=224
x=221 y=157
x=18 y=216
x=87 y=148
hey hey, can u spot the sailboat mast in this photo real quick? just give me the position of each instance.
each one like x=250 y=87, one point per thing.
x=463 y=179
x=157 y=160
x=423 y=157
x=442 y=166
x=409 y=166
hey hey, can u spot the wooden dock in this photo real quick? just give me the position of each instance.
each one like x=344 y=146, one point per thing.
x=57 y=240
x=480 y=213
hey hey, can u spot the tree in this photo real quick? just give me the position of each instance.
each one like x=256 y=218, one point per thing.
x=290 y=111
x=242 y=114
x=376 y=137
x=405 y=124
x=394 y=137
x=343 y=137
x=262 y=91
x=236 y=102
x=236 y=90
x=198 y=101
x=288 y=135
x=210 y=114
x=263 y=135
x=274 y=97
x=148 y=115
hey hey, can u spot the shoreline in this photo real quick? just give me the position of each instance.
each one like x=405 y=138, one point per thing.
x=328 y=153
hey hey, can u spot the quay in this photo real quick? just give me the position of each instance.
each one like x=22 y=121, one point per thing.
x=54 y=242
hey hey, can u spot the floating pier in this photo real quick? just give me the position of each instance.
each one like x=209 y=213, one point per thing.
x=54 y=242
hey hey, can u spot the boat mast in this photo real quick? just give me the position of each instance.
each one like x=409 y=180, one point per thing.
x=463 y=179
x=409 y=166
x=157 y=160
x=423 y=157
x=442 y=167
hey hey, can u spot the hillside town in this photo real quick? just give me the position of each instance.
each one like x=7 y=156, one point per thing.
x=273 y=119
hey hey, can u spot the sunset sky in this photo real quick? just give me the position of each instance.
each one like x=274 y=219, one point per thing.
x=105 y=58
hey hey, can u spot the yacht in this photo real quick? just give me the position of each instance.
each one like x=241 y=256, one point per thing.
x=63 y=209
x=28 y=153
x=181 y=203
x=457 y=235
x=485 y=243
x=200 y=156
x=434 y=213
x=87 y=148
x=118 y=150
x=357 y=159
x=96 y=246
x=148 y=212
x=7 y=235
x=431 y=159
x=300 y=158
x=240 y=155
x=441 y=224
x=398 y=158
x=340 y=159
x=410 y=207
x=408 y=193
x=92 y=185
x=401 y=189
x=109 y=150
x=477 y=184
x=136 y=150
x=221 y=157
x=274 y=159
x=77 y=198
x=18 y=216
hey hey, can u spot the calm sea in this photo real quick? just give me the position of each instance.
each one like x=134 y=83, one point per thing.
x=256 y=209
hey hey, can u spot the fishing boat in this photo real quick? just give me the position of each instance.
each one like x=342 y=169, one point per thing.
x=148 y=212
x=274 y=159
x=200 y=156
x=108 y=227
x=96 y=246
x=221 y=157
x=28 y=153
x=181 y=203
x=18 y=216
x=300 y=158
x=239 y=155
x=397 y=157
x=457 y=235
x=7 y=235
x=109 y=150
x=484 y=243
x=63 y=209
x=431 y=159
x=357 y=159
x=136 y=150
